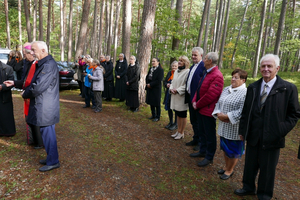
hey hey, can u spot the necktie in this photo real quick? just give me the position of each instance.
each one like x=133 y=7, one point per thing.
x=263 y=97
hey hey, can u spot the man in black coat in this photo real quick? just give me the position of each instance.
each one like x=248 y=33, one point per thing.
x=108 y=80
x=270 y=112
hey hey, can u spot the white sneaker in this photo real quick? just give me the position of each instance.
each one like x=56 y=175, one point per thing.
x=174 y=135
x=179 y=136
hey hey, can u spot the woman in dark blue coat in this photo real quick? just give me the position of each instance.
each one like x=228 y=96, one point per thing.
x=153 y=86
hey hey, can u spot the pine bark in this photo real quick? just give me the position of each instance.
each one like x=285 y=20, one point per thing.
x=220 y=64
x=239 y=34
x=41 y=30
x=34 y=19
x=145 y=44
x=7 y=23
x=101 y=29
x=77 y=26
x=70 y=50
x=199 y=42
x=115 y=41
x=280 y=27
x=178 y=17
x=219 y=26
x=94 y=34
x=62 y=46
x=83 y=28
x=257 y=53
x=126 y=29
x=19 y=21
x=28 y=27
x=206 y=30
x=48 y=24
x=110 y=34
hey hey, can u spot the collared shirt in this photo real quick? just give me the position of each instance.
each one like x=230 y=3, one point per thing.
x=269 y=87
x=208 y=70
x=188 y=88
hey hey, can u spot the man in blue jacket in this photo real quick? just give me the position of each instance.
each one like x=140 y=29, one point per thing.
x=195 y=73
x=43 y=93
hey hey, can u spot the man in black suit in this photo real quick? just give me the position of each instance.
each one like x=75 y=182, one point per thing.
x=270 y=112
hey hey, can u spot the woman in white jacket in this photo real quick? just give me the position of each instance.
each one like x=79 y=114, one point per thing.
x=177 y=91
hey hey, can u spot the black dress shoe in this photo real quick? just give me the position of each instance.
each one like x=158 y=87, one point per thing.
x=168 y=126
x=49 y=167
x=151 y=117
x=43 y=162
x=225 y=177
x=243 y=192
x=86 y=106
x=98 y=110
x=197 y=154
x=204 y=162
x=93 y=107
x=196 y=148
x=191 y=143
x=38 y=147
x=135 y=110
x=155 y=119
x=221 y=171
x=173 y=127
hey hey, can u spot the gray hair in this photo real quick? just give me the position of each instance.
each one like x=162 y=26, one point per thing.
x=213 y=56
x=41 y=45
x=174 y=63
x=122 y=55
x=133 y=57
x=199 y=50
x=89 y=60
x=273 y=56
x=107 y=56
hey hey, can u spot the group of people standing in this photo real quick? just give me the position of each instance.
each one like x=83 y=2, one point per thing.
x=262 y=115
x=96 y=81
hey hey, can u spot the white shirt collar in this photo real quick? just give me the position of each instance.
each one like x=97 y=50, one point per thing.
x=237 y=88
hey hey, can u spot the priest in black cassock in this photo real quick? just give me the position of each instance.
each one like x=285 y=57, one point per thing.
x=120 y=75
x=7 y=121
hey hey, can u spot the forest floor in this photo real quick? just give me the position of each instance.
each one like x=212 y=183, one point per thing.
x=117 y=154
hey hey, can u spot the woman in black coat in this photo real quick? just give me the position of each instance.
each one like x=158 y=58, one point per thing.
x=108 y=92
x=153 y=86
x=132 y=82
x=120 y=74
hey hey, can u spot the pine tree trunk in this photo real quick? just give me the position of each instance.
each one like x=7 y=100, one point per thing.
x=62 y=46
x=7 y=23
x=28 y=27
x=110 y=34
x=188 y=25
x=106 y=27
x=257 y=53
x=206 y=29
x=280 y=27
x=94 y=34
x=48 y=24
x=20 y=22
x=101 y=29
x=220 y=64
x=34 y=19
x=77 y=27
x=83 y=28
x=70 y=50
x=219 y=26
x=41 y=30
x=199 y=42
x=215 y=26
x=126 y=29
x=178 y=17
x=145 y=44
x=239 y=34
x=115 y=41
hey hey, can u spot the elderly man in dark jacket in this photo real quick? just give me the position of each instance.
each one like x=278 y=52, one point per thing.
x=270 y=112
x=43 y=93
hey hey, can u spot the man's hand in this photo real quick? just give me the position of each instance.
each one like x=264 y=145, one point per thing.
x=194 y=105
x=148 y=85
x=9 y=83
x=127 y=83
x=168 y=85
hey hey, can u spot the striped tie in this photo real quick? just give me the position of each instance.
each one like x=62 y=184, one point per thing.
x=263 y=97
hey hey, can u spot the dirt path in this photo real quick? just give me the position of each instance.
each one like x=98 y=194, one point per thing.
x=117 y=154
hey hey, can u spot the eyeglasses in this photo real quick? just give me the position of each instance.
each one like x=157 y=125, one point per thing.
x=235 y=78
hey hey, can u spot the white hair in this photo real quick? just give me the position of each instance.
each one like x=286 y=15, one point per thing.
x=213 y=56
x=199 y=50
x=41 y=45
x=89 y=60
x=272 y=56
x=174 y=63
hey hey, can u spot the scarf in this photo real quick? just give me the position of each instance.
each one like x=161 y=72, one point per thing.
x=27 y=83
x=172 y=75
x=93 y=67
x=17 y=59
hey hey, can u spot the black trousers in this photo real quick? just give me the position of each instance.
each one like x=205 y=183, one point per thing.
x=195 y=123
x=36 y=135
x=265 y=161
x=155 y=111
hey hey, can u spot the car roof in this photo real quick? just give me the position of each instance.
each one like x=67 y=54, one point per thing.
x=4 y=50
